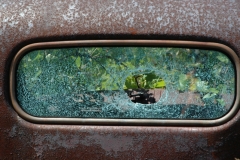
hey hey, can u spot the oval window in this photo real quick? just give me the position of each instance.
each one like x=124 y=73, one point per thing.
x=125 y=82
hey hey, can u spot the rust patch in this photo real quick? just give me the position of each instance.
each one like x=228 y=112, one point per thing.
x=132 y=31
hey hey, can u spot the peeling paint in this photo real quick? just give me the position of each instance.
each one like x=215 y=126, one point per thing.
x=49 y=142
x=81 y=15
x=13 y=133
x=110 y=143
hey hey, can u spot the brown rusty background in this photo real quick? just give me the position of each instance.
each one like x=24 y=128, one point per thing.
x=26 y=21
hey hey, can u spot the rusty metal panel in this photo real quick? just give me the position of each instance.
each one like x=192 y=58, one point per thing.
x=167 y=114
x=28 y=21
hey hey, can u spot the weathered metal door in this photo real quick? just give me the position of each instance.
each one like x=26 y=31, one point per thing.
x=29 y=28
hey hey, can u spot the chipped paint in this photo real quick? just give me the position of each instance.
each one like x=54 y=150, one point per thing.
x=137 y=141
x=43 y=143
x=80 y=16
x=117 y=142
x=110 y=143
x=13 y=133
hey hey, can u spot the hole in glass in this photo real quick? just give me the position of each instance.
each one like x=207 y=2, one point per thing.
x=91 y=82
x=145 y=88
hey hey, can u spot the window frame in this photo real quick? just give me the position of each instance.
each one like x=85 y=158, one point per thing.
x=156 y=43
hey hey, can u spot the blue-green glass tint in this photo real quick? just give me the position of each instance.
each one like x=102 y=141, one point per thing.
x=99 y=82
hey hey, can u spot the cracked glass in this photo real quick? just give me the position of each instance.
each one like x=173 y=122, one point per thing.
x=126 y=82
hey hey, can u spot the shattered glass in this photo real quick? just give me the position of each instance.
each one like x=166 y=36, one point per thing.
x=99 y=82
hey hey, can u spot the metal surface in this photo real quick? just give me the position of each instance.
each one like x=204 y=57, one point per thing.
x=165 y=43
x=27 y=21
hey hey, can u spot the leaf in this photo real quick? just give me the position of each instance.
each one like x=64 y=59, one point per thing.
x=195 y=64
x=193 y=84
x=48 y=57
x=221 y=102
x=183 y=82
x=223 y=59
x=141 y=79
x=130 y=83
x=160 y=84
x=209 y=95
x=36 y=75
x=78 y=62
x=38 y=57
x=151 y=77
x=213 y=90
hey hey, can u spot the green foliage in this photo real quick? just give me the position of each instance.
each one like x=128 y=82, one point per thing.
x=144 y=81
x=207 y=72
x=78 y=62
x=183 y=82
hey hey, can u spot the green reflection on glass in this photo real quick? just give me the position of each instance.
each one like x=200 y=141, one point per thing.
x=98 y=82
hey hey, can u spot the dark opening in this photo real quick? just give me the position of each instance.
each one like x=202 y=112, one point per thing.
x=144 y=88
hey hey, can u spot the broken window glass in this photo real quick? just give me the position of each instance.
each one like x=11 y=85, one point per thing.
x=126 y=82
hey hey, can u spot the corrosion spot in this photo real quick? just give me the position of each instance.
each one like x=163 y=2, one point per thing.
x=132 y=30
